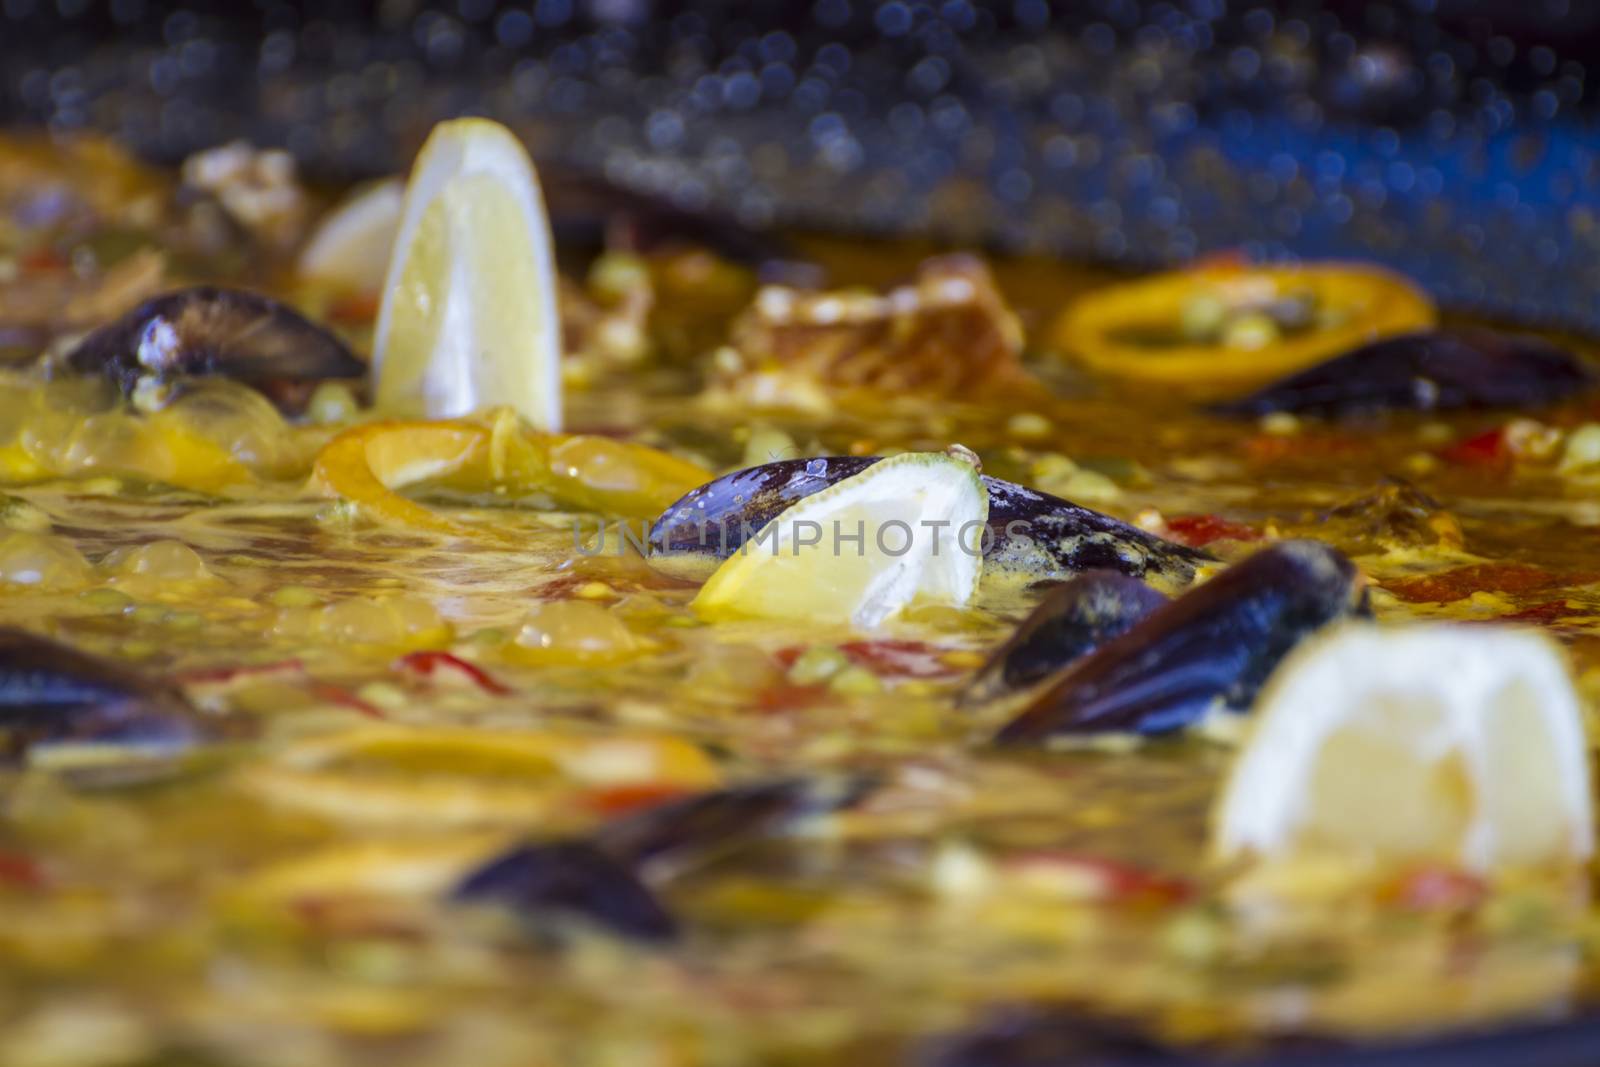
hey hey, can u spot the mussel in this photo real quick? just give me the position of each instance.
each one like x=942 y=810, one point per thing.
x=1213 y=646
x=1047 y=1035
x=571 y=879
x=1069 y=622
x=1433 y=371
x=54 y=694
x=1031 y=534
x=206 y=330
x=607 y=879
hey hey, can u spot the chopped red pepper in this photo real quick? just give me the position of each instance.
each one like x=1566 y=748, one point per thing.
x=1487 y=449
x=358 y=309
x=20 y=870
x=425 y=663
x=625 y=799
x=785 y=696
x=1517 y=579
x=903 y=659
x=889 y=658
x=335 y=694
x=42 y=259
x=1550 y=611
x=1110 y=880
x=1197 y=531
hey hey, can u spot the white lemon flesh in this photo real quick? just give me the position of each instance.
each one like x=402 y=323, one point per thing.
x=468 y=317
x=353 y=243
x=1436 y=742
x=908 y=528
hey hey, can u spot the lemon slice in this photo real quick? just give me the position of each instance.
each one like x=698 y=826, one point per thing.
x=906 y=528
x=353 y=242
x=1438 y=742
x=468 y=318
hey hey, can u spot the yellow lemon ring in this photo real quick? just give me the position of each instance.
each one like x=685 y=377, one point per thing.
x=1203 y=328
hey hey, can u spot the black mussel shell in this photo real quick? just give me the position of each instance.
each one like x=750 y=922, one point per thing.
x=606 y=878
x=230 y=333
x=1053 y=1035
x=696 y=830
x=546 y=883
x=1071 y=621
x=1433 y=371
x=1032 y=534
x=53 y=694
x=1215 y=645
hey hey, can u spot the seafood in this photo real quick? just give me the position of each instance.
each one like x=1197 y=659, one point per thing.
x=1216 y=644
x=949 y=333
x=53 y=694
x=571 y=879
x=607 y=878
x=1030 y=534
x=1396 y=515
x=678 y=836
x=1071 y=621
x=1437 y=371
x=1046 y=1036
x=211 y=331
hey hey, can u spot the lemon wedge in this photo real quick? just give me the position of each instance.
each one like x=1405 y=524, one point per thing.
x=468 y=318
x=1438 y=742
x=353 y=242
x=908 y=528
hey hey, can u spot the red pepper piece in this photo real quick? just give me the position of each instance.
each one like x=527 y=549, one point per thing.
x=1487 y=449
x=1197 y=531
x=625 y=799
x=425 y=663
x=1516 y=579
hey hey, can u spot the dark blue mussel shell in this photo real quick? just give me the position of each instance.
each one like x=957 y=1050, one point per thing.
x=607 y=878
x=574 y=880
x=1216 y=644
x=1047 y=1035
x=1071 y=621
x=1039 y=536
x=53 y=694
x=1433 y=371
x=206 y=330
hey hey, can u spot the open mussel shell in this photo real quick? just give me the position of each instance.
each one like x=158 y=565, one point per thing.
x=608 y=879
x=1214 y=646
x=1432 y=371
x=205 y=331
x=71 y=711
x=1071 y=621
x=1031 y=535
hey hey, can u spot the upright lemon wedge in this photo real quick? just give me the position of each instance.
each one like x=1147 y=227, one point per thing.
x=908 y=528
x=1445 y=743
x=468 y=318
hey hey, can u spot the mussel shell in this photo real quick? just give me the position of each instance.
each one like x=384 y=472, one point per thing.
x=53 y=694
x=1215 y=645
x=1032 y=534
x=1432 y=371
x=688 y=833
x=1049 y=1035
x=231 y=333
x=607 y=878
x=1071 y=621
x=563 y=880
